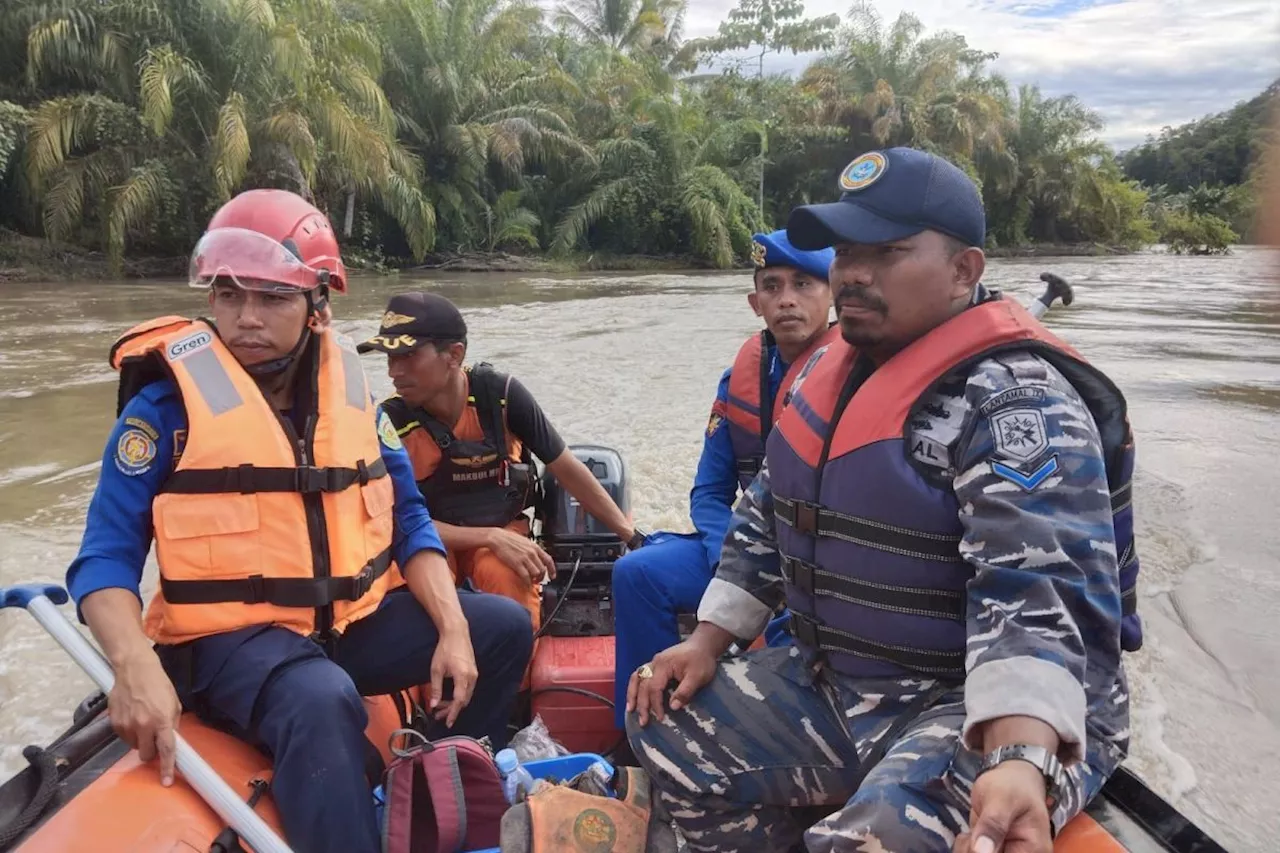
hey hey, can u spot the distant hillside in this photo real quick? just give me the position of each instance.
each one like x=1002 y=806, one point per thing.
x=1217 y=150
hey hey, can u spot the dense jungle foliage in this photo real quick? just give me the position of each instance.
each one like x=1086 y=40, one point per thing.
x=437 y=127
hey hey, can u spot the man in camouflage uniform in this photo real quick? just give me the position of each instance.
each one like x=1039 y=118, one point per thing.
x=952 y=687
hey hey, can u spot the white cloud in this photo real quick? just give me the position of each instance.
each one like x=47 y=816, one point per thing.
x=1142 y=64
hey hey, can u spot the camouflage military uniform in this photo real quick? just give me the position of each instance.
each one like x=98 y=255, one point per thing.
x=775 y=733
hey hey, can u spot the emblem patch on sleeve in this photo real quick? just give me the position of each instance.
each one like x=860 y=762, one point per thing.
x=387 y=432
x=717 y=418
x=1019 y=434
x=135 y=451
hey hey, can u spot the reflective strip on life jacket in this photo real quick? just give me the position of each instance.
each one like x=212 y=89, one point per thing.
x=257 y=525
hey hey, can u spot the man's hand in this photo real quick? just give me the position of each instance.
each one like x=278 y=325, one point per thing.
x=454 y=658
x=692 y=663
x=144 y=710
x=522 y=554
x=1008 y=812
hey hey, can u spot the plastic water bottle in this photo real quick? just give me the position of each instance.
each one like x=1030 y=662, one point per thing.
x=603 y=773
x=515 y=778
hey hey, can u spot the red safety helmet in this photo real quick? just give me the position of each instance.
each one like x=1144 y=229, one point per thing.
x=269 y=240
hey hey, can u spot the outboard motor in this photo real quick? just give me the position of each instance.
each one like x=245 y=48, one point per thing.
x=579 y=601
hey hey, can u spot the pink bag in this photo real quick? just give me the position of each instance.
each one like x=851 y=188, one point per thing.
x=441 y=796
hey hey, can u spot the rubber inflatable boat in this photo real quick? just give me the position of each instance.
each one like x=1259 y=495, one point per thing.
x=87 y=791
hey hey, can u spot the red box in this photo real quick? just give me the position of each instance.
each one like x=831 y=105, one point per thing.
x=580 y=722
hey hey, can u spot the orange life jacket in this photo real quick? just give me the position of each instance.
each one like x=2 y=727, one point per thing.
x=476 y=473
x=256 y=526
x=751 y=409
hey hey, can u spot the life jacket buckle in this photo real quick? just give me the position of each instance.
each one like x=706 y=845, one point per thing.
x=806 y=517
x=805 y=630
x=799 y=574
x=362 y=583
x=311 y=480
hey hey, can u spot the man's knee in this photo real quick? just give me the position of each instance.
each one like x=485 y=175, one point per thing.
x=629 y=571
x=316 y=694
x=500 y=626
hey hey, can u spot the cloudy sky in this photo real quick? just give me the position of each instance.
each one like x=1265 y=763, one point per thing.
x=1142 y=64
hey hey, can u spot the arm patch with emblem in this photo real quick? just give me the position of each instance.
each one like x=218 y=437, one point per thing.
x=718 y=412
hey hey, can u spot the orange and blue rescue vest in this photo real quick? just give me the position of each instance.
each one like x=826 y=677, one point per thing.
x=256 y=524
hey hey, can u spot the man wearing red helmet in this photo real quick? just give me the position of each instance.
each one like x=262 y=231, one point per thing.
x=299 y=568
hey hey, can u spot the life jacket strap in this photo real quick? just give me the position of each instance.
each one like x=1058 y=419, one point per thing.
x=816 y=635
x=916 y=601
x=282 y=592
x=247 y=479
x=1122 y=498
x=750 y=465
x=814 y=520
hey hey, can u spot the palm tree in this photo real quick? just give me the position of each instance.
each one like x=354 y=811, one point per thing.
x=1050 y=166
x=670 y=157
x=623 y=25
x=473 y=102
x=165 y=90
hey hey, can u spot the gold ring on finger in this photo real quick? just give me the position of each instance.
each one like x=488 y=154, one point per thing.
x=645 y=671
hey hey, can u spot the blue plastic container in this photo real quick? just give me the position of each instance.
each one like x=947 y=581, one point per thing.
x=565 y=767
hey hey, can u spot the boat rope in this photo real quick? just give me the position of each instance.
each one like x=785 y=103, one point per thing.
x=46 y=770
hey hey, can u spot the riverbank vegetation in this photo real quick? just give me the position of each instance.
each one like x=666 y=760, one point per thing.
x=433 y=130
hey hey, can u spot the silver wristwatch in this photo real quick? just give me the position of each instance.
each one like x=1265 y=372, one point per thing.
x=1046 y=762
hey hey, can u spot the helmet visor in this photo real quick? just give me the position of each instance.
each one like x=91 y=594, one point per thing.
x=252 y=260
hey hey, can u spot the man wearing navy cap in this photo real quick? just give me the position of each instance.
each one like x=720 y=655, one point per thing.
x=945 y=508
x=652 y=586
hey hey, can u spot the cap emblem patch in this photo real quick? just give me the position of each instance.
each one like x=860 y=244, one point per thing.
x=391 y=319
x=863 y=171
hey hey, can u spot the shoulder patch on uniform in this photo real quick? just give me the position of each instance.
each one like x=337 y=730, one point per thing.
x=1019 y=434
x=1021 y=394
x=718 y=411
x=142 y=425
x=135 y=451
x=387 y=432
x=1027 y=482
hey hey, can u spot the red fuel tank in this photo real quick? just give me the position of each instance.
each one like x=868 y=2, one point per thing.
x=581 y=722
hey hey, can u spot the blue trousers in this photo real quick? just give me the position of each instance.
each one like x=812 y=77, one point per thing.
x=650 y=587
x=278 y=691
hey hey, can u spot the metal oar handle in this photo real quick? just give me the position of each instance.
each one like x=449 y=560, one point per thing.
x=39 y=600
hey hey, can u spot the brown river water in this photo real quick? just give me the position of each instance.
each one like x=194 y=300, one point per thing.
x=632 y=361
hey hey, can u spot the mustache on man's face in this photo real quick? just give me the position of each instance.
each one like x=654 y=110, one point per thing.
x=858 y=297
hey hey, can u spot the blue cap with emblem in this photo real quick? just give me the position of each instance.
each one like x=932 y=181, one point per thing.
x=890 y=195
x=775 y=250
